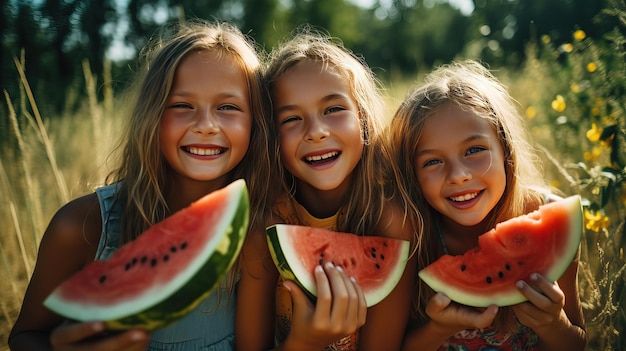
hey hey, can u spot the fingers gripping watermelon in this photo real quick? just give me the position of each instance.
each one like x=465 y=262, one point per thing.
x=376 y=262
x=544 y=241
x=166 y=272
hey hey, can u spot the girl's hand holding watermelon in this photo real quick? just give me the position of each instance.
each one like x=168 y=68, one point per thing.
x=545 y=312
x=339 y=310
x=452 y=317
x=85 y=336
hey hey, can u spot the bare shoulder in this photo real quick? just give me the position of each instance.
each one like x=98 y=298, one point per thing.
x=76 y=227
x=68 y=244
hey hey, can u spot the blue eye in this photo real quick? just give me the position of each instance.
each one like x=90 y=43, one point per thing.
x=229 y=107
x=431 y=162
x=475 y=149
x=333 y=109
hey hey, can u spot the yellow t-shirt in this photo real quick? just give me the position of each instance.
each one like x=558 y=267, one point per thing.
x=291 y=212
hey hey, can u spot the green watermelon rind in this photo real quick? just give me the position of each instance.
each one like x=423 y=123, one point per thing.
x=164 y=305
x=513 y=296
x=276 y=235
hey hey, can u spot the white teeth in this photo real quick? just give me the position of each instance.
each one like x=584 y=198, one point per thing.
x=464 y=197
x=322 y=157
x=203 y=152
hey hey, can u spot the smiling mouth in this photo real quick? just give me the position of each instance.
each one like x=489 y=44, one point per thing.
x=318 y=159
x=465 y=197
x=204 y=152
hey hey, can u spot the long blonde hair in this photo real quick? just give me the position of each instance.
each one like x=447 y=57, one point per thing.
x=474 y=88
x=364 y=206
x=142 y=166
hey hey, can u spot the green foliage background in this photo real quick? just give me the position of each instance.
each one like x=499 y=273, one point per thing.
x=565 y=67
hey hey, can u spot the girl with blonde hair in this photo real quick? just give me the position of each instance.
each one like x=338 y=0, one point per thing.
x=198 y=123
x=466 y=163
x=329 y=116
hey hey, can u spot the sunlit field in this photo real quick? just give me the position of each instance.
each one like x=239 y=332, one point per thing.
x=571 y=95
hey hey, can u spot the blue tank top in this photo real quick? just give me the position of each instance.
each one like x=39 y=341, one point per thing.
x=209 y=327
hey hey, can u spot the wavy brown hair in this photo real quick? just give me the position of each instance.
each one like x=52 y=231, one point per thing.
x=472 y=87
x=363 y=208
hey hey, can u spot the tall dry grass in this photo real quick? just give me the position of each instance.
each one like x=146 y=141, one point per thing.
x=45 y=163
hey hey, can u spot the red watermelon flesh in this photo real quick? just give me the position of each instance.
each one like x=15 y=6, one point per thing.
x=164 y=273
x=376 y=262
x=544 y=241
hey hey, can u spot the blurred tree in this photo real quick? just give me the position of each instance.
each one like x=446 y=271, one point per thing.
x=414 y=34
x=505 y=27
x=258 y=21
x=96 y=16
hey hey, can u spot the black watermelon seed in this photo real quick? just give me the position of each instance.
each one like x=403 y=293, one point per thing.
x=382 y=257
x=373 y=249
x=183 y=245
x=463 y=268
x=377 y=266
x=374 y=254
x=153 y=262
x=500 y=275
x=173 y=249
x=321 y=262
x=144 y=259
x=102 y=279
x=127 y=266
x=385 y=244
x=508 y=267
x=166 y=258
x=134 y=261
x=488 y=280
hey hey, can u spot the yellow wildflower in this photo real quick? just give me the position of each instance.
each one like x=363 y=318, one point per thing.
x=579 y=35
x=596 y=221
x=531 y=112
x=558 y=104
x=591 y=67
x=594 y=133
x=545 y=39
x=575 y=88
x=594 y=155
x=567 y=47
x=595 y=110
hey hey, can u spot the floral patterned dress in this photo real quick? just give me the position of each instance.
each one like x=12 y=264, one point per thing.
x=489 y=339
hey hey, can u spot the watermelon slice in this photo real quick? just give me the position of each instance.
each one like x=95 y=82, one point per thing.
x=544 y=241
x=376 y=262
x=167 y=271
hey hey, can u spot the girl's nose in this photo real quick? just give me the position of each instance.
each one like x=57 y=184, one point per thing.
x=317 y=130
x=205 y=123
x=458 y=173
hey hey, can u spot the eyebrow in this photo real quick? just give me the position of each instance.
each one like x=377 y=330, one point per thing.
x=221 y=95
